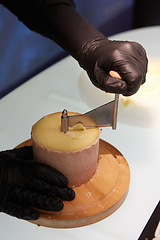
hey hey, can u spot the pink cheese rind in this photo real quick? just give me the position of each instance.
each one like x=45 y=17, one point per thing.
x=78 y=166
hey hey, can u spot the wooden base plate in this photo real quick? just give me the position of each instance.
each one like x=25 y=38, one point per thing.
x=98 y=198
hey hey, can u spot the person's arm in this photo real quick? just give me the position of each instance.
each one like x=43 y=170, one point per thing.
x=59 y=21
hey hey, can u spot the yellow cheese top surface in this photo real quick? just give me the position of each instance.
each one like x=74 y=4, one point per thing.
x=47 y=133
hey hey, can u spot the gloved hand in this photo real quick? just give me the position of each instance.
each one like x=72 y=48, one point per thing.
x=25 y=184
x=129 y=59
x=60 y=22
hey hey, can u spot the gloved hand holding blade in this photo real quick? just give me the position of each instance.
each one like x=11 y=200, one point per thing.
x=103 y=116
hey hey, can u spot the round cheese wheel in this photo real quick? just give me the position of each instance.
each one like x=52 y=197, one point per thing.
x=74 y=153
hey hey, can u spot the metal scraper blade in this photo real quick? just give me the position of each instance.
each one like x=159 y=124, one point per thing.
x=103 y=116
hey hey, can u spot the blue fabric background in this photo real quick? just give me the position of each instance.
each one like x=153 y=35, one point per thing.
x=24 y=53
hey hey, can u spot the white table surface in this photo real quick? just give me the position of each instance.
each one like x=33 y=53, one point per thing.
x=57 y=88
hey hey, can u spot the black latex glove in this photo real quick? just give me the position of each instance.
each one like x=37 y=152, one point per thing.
x=59 y=21
x=129 y=59
x=25 y=184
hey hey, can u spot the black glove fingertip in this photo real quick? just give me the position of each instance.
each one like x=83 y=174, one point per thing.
x=57 y=205
x=70 y=194
x=115 y=86
x=32 y=215
x=67 y=193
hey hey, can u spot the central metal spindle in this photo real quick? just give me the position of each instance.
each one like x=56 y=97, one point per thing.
x=64 y=121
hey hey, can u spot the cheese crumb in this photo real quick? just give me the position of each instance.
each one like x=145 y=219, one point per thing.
x=76 y=131
x=77 y=126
